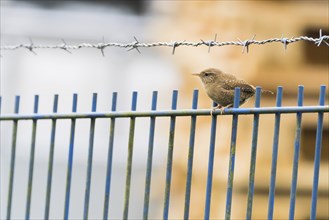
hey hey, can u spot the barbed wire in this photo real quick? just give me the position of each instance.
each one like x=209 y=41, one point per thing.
x=174 y=44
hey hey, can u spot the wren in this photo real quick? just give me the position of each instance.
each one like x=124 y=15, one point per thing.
x=220 y=87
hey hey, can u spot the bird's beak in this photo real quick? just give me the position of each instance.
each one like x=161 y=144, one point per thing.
x=196 y=74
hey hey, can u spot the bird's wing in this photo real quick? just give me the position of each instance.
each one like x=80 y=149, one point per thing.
x=232 y=84
x=246 y=90
x=232 y=81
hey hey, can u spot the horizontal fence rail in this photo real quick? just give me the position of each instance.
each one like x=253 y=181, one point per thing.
x=172 y=114
x=167 y=113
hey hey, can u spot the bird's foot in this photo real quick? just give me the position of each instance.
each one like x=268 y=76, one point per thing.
x=221 y=108
x=225 y=107
x=217 y=107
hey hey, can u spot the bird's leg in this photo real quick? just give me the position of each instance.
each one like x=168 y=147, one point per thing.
x=222 y=108
x=218 y=106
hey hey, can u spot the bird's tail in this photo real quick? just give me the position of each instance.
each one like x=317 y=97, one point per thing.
x=267 y=92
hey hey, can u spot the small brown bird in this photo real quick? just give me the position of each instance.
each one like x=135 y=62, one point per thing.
x=220 y=88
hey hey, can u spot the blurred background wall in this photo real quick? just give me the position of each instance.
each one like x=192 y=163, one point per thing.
x=86 y=71
x=268 y=66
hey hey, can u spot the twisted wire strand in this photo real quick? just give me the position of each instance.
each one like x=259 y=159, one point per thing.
x=136 y=44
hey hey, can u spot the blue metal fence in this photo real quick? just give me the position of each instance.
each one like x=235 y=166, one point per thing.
x=193 y=113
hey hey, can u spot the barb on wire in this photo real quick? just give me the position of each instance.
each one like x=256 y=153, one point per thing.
x=30 y=47
x=135 y=45
x=285 y=42
x=176 y=44
x=210 y=43
x=64 y=46
x=321 y=40
x=246 y=43
x=101 y=46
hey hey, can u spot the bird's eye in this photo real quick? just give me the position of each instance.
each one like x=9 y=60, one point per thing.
x=207 y=74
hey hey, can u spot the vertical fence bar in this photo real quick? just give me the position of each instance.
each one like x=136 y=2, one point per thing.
x=253 y=156
x=31 y=166
x=12 y=160
x=317 y=155
x=274 y=155
x=130 y=157
x=90 y=157
x=170 y=156
x=51 y=158
x=293 y=189
x=210 y=164
x=232 y=155
x=70 y=159
x=109 y=159
x=190 y=157
x=149 y=158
